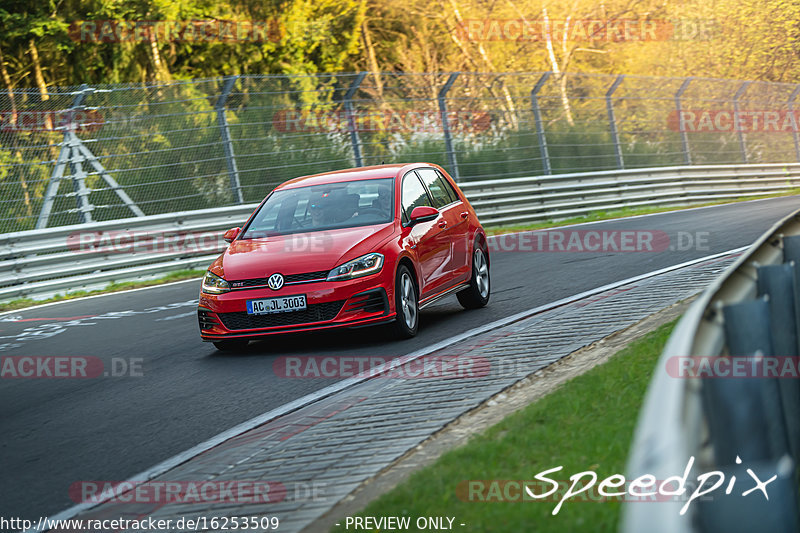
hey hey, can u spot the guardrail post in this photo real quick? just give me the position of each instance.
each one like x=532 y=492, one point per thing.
x=612 y=122
x=739 y=132
x=227 y=144
x=351 y=122
x=687 y=156
x=448 y=140
x=778 y=283
x=537 y=117
x=794 y=130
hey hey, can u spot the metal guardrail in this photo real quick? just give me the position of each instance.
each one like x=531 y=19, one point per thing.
x=535 y=199
x=40 y=263
x=748 y=316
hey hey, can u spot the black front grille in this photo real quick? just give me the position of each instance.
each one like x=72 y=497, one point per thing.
x=370 y=302
x=294 y=278
x=313 y=313
x=290 y=278
x=206 y=319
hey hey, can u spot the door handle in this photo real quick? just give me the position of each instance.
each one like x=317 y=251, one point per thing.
x=465 y=215
x=442 y=224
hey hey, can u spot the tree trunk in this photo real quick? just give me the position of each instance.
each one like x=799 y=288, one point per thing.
x=26 y=195
x=160 y=68
x=9 y=88
x=562 y=81
x=37 y=71
x=39 y=76
x=372 y=61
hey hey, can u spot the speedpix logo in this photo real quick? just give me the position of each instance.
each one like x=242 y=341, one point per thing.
x=616 y=487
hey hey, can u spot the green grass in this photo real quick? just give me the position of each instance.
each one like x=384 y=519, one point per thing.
x=586 y=424
x=596 y=216
x=178 y=275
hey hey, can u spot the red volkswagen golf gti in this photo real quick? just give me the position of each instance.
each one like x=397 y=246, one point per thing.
x=350 y=248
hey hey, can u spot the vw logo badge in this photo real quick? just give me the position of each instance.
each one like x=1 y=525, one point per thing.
x=275 y=282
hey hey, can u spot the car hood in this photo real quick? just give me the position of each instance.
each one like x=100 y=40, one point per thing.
x=300 y=252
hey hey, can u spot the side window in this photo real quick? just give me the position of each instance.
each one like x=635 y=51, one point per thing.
x=450 y=190
x=441 y=191
x=414 y=194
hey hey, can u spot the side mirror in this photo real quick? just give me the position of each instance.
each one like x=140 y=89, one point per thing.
x=231 y=234
x=423 y=213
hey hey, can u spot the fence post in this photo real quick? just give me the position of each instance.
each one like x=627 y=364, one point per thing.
x=448 y=140
x=537 y=117
x=687 y=156
x=794 y=129
x=740 y=133
x=613 y=122
x=351 y=122
x=227 y=144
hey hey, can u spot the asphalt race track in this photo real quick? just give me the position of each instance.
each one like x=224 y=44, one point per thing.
x=176 y=391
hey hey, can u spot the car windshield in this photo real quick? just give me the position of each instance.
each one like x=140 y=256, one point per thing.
x=323 y=207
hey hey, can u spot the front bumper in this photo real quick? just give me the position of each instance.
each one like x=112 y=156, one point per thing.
x=353 y=303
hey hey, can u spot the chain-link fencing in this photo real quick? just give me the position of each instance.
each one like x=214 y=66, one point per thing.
x=84 y=154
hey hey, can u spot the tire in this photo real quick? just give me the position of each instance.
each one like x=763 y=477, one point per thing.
x=480 y=285
x=406 y=304
x=231 y=345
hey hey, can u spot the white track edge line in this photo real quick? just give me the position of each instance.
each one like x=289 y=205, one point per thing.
x=92 y=296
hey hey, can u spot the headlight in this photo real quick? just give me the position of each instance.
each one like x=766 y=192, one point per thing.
x=363 y=266
x=213 y=284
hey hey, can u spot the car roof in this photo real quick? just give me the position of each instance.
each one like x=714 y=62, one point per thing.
x=350 y=174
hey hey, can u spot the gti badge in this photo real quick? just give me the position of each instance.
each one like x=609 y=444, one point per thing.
x=275 y=282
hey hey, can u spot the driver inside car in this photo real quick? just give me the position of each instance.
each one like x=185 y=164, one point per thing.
x=320 y=212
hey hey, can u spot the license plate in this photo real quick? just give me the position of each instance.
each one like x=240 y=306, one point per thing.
x=284 y=304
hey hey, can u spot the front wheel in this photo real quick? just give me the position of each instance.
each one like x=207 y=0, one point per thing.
x=406 y=304
x=477 y=294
